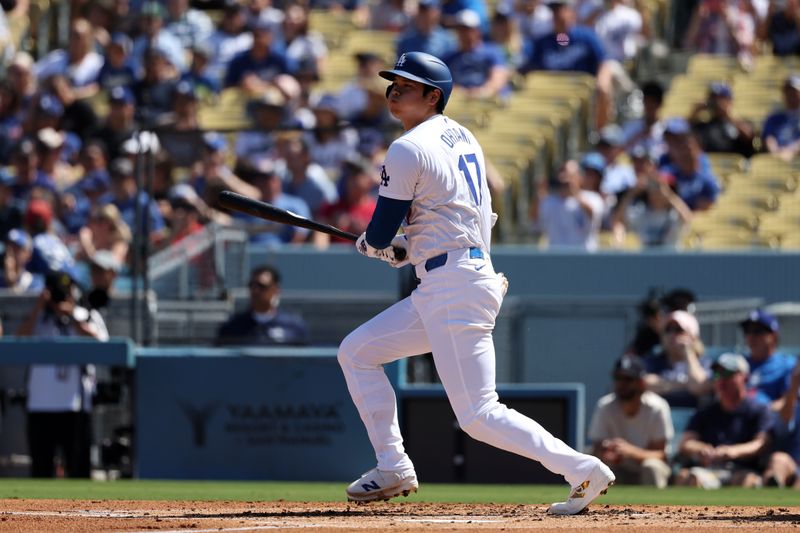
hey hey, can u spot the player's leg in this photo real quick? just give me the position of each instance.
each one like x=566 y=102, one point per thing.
x=395 y=333
x=459 y=307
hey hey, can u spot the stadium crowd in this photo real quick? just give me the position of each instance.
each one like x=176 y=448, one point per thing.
x=76 y=130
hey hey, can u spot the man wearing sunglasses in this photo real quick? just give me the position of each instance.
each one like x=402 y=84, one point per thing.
x=770 y=370
x=263 y=323
x=632 y=427
x=724 y=443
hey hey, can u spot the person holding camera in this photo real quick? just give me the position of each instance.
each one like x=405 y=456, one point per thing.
x=651 y=208
x=59 y=398
x=569 y=215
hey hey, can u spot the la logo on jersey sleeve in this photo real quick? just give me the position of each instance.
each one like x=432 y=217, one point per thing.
x=384 y=176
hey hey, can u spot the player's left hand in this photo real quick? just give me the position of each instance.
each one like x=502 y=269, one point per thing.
x=388 y=254
x=504 y=282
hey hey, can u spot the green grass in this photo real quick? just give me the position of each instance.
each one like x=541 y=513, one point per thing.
x=430 y=492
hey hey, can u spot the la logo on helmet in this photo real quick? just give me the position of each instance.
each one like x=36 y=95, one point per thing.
x=400 y=61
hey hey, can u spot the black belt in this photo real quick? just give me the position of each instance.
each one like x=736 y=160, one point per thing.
x=441 y=259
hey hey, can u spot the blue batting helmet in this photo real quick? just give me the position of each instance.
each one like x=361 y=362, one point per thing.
x=424 y=68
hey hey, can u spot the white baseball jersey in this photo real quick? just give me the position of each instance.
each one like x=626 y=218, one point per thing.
x=440 y=166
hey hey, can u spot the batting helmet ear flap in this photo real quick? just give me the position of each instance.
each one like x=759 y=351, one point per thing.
x=389 y=89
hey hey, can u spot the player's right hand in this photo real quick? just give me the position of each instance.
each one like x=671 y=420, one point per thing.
x=390 y=254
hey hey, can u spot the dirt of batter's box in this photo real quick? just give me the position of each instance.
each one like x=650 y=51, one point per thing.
x=151 y=516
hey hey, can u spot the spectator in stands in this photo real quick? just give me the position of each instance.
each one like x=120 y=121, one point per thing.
x=263 y=323
x=263 y=66
x=622 y=29
x=781 y=131
x=125 y=195
x=79 y=62
x=582 y=52
x=302 y=43
x=21 y=77
x=717 y=129
x=721 y=27
x=50 y=254
x=647 y=131
x=120 y=124
x=631 y=428
x=10 y=121
x=688 y=166
x=229 y=39
x=179 y=131
x=186 y=213
x=353 y=97
x=270 y=188
x=154 y=36
x=677 y=368
x=117 y=70
x=679 y=299
x=390 y=15
x=214 y=172
x=106 y=231
x=190 y=26
x=330 y=142
x=255 y=145
x=783 y=467
x=532 y=17
x=724 y=442
x=618 y=176
x=264 y=10
x=425 y=33
x=59 y=397
x=567 y=214
x=15 y=276
x=648 y=328
x=651 y=208
x=27 y=177
x=781 y=28
x=205 y=85
x=77 y=201
x=155 y=90
x=10 y=208
x=304 y=178
x=770 y=369
x=479 y=69
x=49 y=146
x=504 y=34
x=451 y=8
x=593 y=167
x=354 y=209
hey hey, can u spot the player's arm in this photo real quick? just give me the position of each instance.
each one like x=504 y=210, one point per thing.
x=386 y=220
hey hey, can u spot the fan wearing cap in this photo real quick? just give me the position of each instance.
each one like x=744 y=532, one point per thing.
x=229 y=39
x=303 y=44
x=268 y=112
x=571 y=47
x=479 y=68
x=304 y=178
x=354 y=96
x=770 y=369
x=59 y=397
x=677 y=368
x=125 y=195
x=263 y=66
x=631 y=428
x=717 y=128
x=120 y=123
x=331 y=142
x=618 y=175
x=49 y=251
x=651 y=208
x=647 y=131
x=780 y=28
x=155 y=35
x=206 y=86
x=117 y=70
x=215 y=174
x=689 y=167
x=781 y=131
x=154 y=92
x=724 y=443
x=425 y=32
x=28 y=179
x=15 y=275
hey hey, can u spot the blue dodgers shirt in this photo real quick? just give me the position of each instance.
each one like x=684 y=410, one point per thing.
x=770 y=378
x=784 y=126
x=583 y=52
x=472 y=68
x=692 y=188
x=266 y=69
x=439 y=42
x=716 y=426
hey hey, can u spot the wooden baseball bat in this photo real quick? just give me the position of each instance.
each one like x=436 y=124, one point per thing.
x=257 y=208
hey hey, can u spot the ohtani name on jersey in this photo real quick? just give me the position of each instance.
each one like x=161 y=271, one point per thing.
x=451 y=136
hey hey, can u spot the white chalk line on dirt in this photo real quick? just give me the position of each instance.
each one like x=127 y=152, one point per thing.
x=453 y=520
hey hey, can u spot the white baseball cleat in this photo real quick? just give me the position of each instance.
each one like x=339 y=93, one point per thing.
x=600 y=478
x=382 y=485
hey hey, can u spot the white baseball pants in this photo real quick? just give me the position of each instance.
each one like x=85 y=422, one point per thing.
x=452 y=314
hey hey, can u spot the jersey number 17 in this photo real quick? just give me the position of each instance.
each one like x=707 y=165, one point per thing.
x=464 y=162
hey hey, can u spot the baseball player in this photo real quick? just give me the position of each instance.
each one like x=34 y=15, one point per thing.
x=433 y=183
